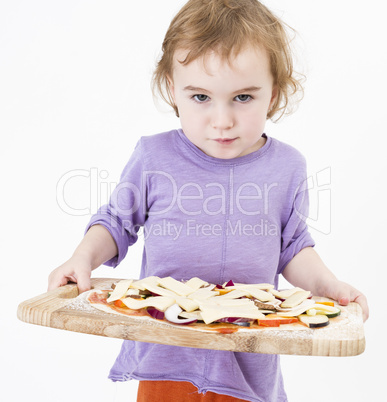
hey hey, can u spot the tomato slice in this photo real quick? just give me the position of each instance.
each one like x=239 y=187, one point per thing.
x=120 y=303
x=269 y=322
x=282 y=320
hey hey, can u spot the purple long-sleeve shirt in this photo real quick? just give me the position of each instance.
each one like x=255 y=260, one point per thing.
x=217 y=219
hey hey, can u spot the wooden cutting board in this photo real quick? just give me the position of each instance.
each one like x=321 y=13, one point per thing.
x=62 y=309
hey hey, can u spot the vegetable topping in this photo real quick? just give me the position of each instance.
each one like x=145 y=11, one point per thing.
x=186 y=302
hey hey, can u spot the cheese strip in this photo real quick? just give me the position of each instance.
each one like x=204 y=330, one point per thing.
x=259 y=294
x=179 y=288
x=257 y=291
x=160 y=291
x=305 y=305
x=192 y=314
x=262 y=286
x=295 y=299
x=306 y=302
x=120 y=290
x=202 y=294
x=140 y=284
x=187 y=304
x=132 y=292
x=216 y=313
x=234 y=294
x=196 y=283
x=159 y=302
x=284 y=294
x=217 y=301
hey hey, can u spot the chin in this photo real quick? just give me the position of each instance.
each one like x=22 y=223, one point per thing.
x=225 y=155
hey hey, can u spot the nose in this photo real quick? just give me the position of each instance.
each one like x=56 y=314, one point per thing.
x=222 y=118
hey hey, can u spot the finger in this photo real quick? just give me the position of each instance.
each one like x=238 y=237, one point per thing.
x=83 y=282
x=362 y=301
x=343 y=300
x=55 y=281
x=343 y=296
x=71 y=278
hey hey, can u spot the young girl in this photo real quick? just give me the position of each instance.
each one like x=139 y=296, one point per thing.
x=217 y=199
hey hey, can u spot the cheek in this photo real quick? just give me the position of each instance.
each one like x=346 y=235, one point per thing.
x=253 y=120
x=189 y=115
x=190 y=125
x=186 y=118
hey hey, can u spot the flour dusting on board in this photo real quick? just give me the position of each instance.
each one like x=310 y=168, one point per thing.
x=80 y=302
x=343 y=326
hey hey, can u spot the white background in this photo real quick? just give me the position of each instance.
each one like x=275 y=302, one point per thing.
x=75 y=95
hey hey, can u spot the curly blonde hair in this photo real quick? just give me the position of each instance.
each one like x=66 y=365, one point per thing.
x=226 y=27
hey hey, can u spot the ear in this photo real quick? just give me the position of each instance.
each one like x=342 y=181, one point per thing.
x=171 y=88
x=274 y=96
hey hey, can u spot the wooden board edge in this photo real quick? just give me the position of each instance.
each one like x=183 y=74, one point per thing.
x=339 y=348
x=38 y=309
x=123 y=328
x=116 y=327
x=353 y=342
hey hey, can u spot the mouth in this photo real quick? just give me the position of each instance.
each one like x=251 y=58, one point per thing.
x=225 y=141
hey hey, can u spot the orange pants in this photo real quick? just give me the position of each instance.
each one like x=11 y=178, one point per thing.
x=177 y=391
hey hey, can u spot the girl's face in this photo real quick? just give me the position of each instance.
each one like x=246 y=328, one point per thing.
x=222 y=106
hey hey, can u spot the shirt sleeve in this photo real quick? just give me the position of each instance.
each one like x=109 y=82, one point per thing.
x=125 y=213
x=295 y=233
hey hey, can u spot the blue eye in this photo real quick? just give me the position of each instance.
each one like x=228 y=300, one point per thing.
x=243 y=98
x=200 y=98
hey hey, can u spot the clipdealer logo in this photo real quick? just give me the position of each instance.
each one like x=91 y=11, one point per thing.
x=95 y=190
x=317 y=187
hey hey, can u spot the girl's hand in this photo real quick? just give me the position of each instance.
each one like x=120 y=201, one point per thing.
x=96 y=247
x=76 y=269
x=308 y=271
x=345 y=293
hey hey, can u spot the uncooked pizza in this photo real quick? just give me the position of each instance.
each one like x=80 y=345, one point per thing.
x=199 y=304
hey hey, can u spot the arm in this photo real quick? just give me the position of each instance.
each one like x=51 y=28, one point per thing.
x=308 y=271
x=97 y=247
x=123 y=215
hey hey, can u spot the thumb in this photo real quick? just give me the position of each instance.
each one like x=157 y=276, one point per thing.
x=343 y=300
x=341 y=292
x=83 y=282
x=343 y=296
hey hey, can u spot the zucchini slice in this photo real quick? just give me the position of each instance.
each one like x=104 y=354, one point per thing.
x=330 y=314
x=315 y=321
x=329 y=311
